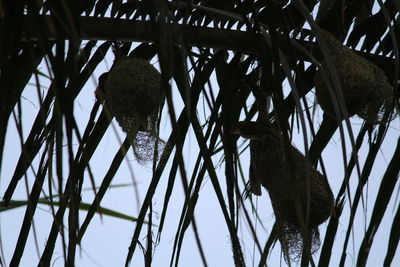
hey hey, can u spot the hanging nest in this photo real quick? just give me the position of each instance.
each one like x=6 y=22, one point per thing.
x=132 y=92
x=366 y=90
x=293 y=186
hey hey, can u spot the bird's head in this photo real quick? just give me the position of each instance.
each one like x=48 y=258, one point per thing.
x=100 y=90
x=251 y=130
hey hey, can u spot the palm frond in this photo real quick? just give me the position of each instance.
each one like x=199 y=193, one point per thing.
x=220 y=62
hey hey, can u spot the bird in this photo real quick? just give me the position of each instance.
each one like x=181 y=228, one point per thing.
x=256 y=132
x=284 y=176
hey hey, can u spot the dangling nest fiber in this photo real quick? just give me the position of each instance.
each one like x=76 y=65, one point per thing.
x=289 y=182
x=132 y=92
x=291 y=240
x=366 y=90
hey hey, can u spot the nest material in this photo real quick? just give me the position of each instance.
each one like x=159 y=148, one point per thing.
x=133 y=87
x=293 y=186
x=366 y=90
x=132 y=92
x=145 y=145
x=291 y=240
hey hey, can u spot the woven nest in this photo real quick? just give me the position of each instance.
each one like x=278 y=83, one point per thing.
x=289 y=182
x=366 y=90
x=132 y=92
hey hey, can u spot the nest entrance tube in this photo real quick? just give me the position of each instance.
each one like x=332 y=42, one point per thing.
x=132 y=92
x=300 y=195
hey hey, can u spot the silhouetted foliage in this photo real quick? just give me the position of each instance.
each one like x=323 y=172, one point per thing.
x=251 y=51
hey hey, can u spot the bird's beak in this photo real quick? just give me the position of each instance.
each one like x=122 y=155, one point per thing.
x=235 y=130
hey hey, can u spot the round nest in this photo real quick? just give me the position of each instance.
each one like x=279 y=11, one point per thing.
x=133 y=87
x=293 y=185
x=132 y=92
x=366 y=90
